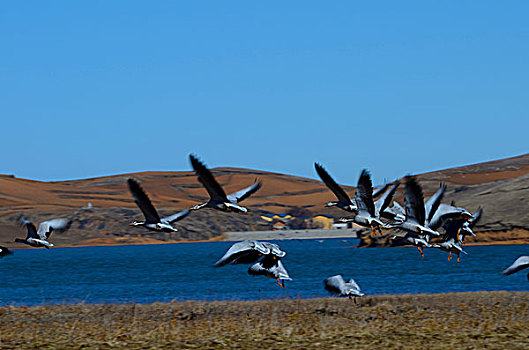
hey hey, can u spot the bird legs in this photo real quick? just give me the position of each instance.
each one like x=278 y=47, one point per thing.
x=352 y=298
x=281 y=283
x=376 y=230
x=450 y=257
x=420 y=251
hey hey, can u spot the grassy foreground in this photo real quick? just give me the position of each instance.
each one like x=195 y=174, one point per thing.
x=456 y=320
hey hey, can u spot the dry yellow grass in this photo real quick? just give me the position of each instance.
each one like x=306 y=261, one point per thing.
x=458 y=320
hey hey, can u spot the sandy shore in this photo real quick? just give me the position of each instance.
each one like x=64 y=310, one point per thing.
x=455 y=320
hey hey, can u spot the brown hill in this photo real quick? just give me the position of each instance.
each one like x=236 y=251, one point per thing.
x=501 y=187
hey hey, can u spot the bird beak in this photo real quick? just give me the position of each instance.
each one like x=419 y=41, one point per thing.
x=131 y=224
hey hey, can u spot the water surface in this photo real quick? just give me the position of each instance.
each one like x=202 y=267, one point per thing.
x=150 y=273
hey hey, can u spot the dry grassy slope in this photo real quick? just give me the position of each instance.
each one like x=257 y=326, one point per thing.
x=500 y=186
x=483 y=320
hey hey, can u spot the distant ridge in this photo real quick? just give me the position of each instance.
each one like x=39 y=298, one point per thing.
x=501 y=187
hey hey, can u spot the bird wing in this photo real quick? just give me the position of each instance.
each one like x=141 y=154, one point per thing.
x=47 y=227
x=475 y=218
x=276 y=271
x=380 y=190
x=177 y=217
x=143 y=202
x=274 y=249
x=241 y=195
x=32 y=230
x=335 y=285
x=444 y=212
x=245 y=252
x=331 y=184
x=383 y=202
x=364 y=193
x=433 y=202
x=215 y=191
x=414 y=202
x=352 y=285
x=4 y=251
x=452 y=229
x=519 y=264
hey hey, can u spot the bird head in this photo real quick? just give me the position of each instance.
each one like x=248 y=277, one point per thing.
x=135 y=223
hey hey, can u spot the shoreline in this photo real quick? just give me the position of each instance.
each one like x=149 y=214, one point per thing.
x=222 y=239
x=276 y=299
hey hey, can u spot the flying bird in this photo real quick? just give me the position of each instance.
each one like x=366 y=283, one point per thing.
x=4 y=251
x=519 y=264
x=337 y=286
x=272 y=267
x=152 y=221
x=218 y=198
x=415 y=216
x=447 y=212
x=39 y=238
x=265 y=256
x=245 y=252
x=451 y=242
x=344 y=202
x=366 y=215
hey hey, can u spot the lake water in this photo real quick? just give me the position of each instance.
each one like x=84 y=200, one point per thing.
x=151 y=273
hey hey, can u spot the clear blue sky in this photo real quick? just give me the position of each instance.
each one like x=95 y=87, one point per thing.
x=105 y=87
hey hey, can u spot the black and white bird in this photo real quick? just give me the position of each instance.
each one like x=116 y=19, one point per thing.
x=343 y=202
x=519 y=264
x=383 y=202
x=451 y=242
x=39 y=238
x=337 y=286
x=272 y=267
x=152 y=221
x=218 y=198
x=366 y=211
x=468 y=225
x=415 y=220
x=4 y=251
x=245 y=252
x=265 y=256
x=447 y=212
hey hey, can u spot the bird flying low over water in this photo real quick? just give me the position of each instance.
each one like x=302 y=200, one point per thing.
x=152 y=221
x=218 y=198
x=337 y=286
x=272 y=267
x=415 y=216
x=39 y=238
x=4 y=251
x=447 y=212
x=451 y=242
x=366 y=209
x=344 y=202
x=245 y=252
x=519 y=264
x=250 y=251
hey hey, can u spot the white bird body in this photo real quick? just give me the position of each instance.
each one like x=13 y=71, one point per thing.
x=152 y=221
x=39 y=238
x=344 y=201
x=218 y=198
x=337 y=286
x=265 y=257
x=519 y=264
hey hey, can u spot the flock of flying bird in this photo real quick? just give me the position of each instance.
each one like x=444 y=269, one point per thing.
x=415 y=223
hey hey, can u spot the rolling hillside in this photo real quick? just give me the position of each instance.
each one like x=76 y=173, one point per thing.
x=501 y=187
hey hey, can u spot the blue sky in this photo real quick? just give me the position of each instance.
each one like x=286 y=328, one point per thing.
x=98 y=87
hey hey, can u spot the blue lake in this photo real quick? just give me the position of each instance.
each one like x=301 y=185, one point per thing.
x=151 y=273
